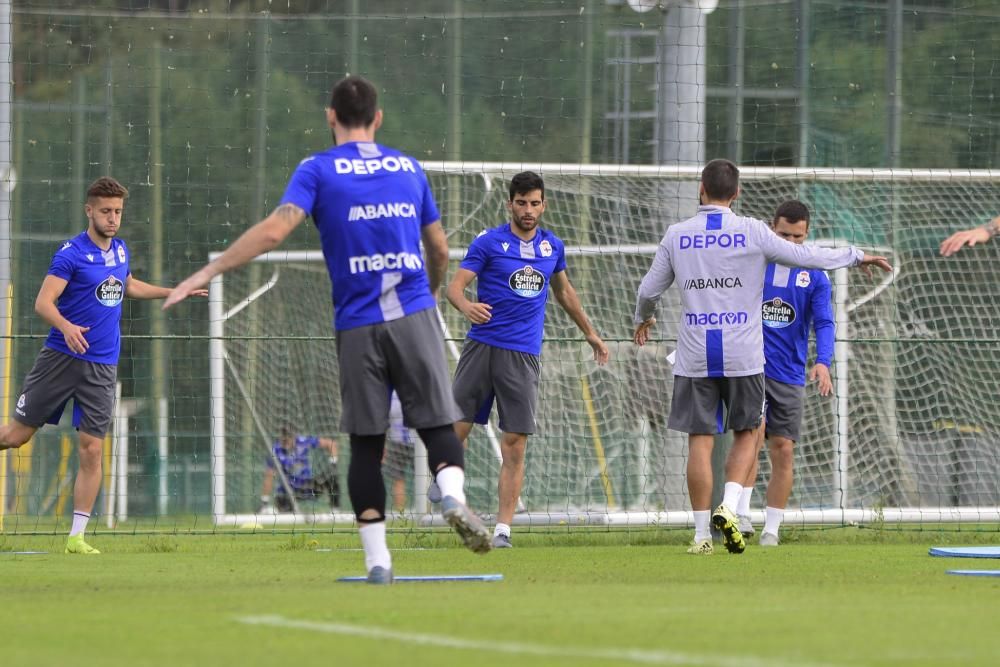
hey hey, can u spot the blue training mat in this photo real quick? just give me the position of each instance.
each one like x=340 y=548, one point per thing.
x=966 y=552
x=432 y=577
x=975 y=573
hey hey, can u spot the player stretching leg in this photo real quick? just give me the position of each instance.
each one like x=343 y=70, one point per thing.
x=81 y=299
x=373 y=206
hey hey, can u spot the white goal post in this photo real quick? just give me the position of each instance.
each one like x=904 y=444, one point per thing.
x=890 y=447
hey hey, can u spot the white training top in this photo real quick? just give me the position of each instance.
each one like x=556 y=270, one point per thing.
x=718 y=260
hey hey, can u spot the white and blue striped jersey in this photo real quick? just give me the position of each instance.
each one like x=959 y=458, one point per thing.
x=718 y=260
x=369 y=203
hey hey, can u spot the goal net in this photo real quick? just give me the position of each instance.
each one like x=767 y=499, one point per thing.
x=909 y=435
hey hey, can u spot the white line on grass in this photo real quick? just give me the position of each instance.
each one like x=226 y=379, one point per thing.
x=619 y=654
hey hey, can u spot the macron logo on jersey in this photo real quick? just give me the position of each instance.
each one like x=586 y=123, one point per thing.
x=378 y=211
x=715 y=319
x=382 y=261
x=389 y=163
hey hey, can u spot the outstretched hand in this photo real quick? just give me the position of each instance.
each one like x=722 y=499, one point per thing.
x=959 y=240
x=867 y=261
x=192 y=286
x=641 y=334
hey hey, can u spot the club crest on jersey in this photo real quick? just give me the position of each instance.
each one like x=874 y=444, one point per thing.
x=527 y=282
x=121 y=254
x=20 y=405
x=777 y=314
x=110 y=292
x=802 y=279
x=545 y=248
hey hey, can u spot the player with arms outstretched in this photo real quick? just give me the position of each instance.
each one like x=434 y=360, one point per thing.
x=373 y=206
x=718 y=260
x=81 y=299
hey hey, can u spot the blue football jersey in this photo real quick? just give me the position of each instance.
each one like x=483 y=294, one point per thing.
x=369 y=203
x=295 y=462
x=95 y=288
x=794 y=298
x=513 y=277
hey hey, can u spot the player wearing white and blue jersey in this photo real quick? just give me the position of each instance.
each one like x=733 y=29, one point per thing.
x=514 y=265
x=81 y=299
x=303 y=475
x=795 y=300
x=718 y=260
x=373 y=207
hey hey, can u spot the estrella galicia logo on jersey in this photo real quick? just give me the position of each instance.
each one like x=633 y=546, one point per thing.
x=726 y=282
x=110 y=292
x=545 y=248
x=716 y=319
x=802 y=279
x=777 y=313
x=527 y=282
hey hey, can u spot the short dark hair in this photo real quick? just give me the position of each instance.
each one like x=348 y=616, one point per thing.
x=525 y=182
x=721 y=179
x=793 y=211
x=106 y=186
x=355 y=100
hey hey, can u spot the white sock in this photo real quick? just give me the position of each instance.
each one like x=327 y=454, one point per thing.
x=731 y=496
x=451 y=481
x=743 y=507
x=373 y=541
x=80 y=520
x=501 y=529
x=701 y=529
x=772 y=519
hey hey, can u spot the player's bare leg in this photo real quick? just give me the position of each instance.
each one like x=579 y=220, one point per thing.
x=15 y=434
x=699 y=480
x=85 y=490
x=743 y=506
x=779 y=488
x=512 y=448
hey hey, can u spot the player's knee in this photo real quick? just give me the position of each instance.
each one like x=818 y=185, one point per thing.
x=781 y=451
x=13 y=436
x=443 y=447
x=365 y=485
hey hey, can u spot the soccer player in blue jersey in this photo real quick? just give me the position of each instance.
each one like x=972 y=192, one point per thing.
x=718 y=260
x=514 y=264
x=372 y=206
x=81 y=299
x=794 y=300
x=306 y=477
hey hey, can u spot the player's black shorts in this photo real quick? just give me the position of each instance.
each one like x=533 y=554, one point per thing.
x=706 y=406
x=407 y=355
x=485 y=372
x=784 y=408
x=55 y=379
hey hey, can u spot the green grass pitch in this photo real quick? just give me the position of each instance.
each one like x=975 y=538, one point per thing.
x=832 y=597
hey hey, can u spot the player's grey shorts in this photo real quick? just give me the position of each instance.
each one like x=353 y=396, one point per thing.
x=406 y=355
x=716 y=405
x=54 y=379
x=784 y=406
x=486 y=372
x=398 y=459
